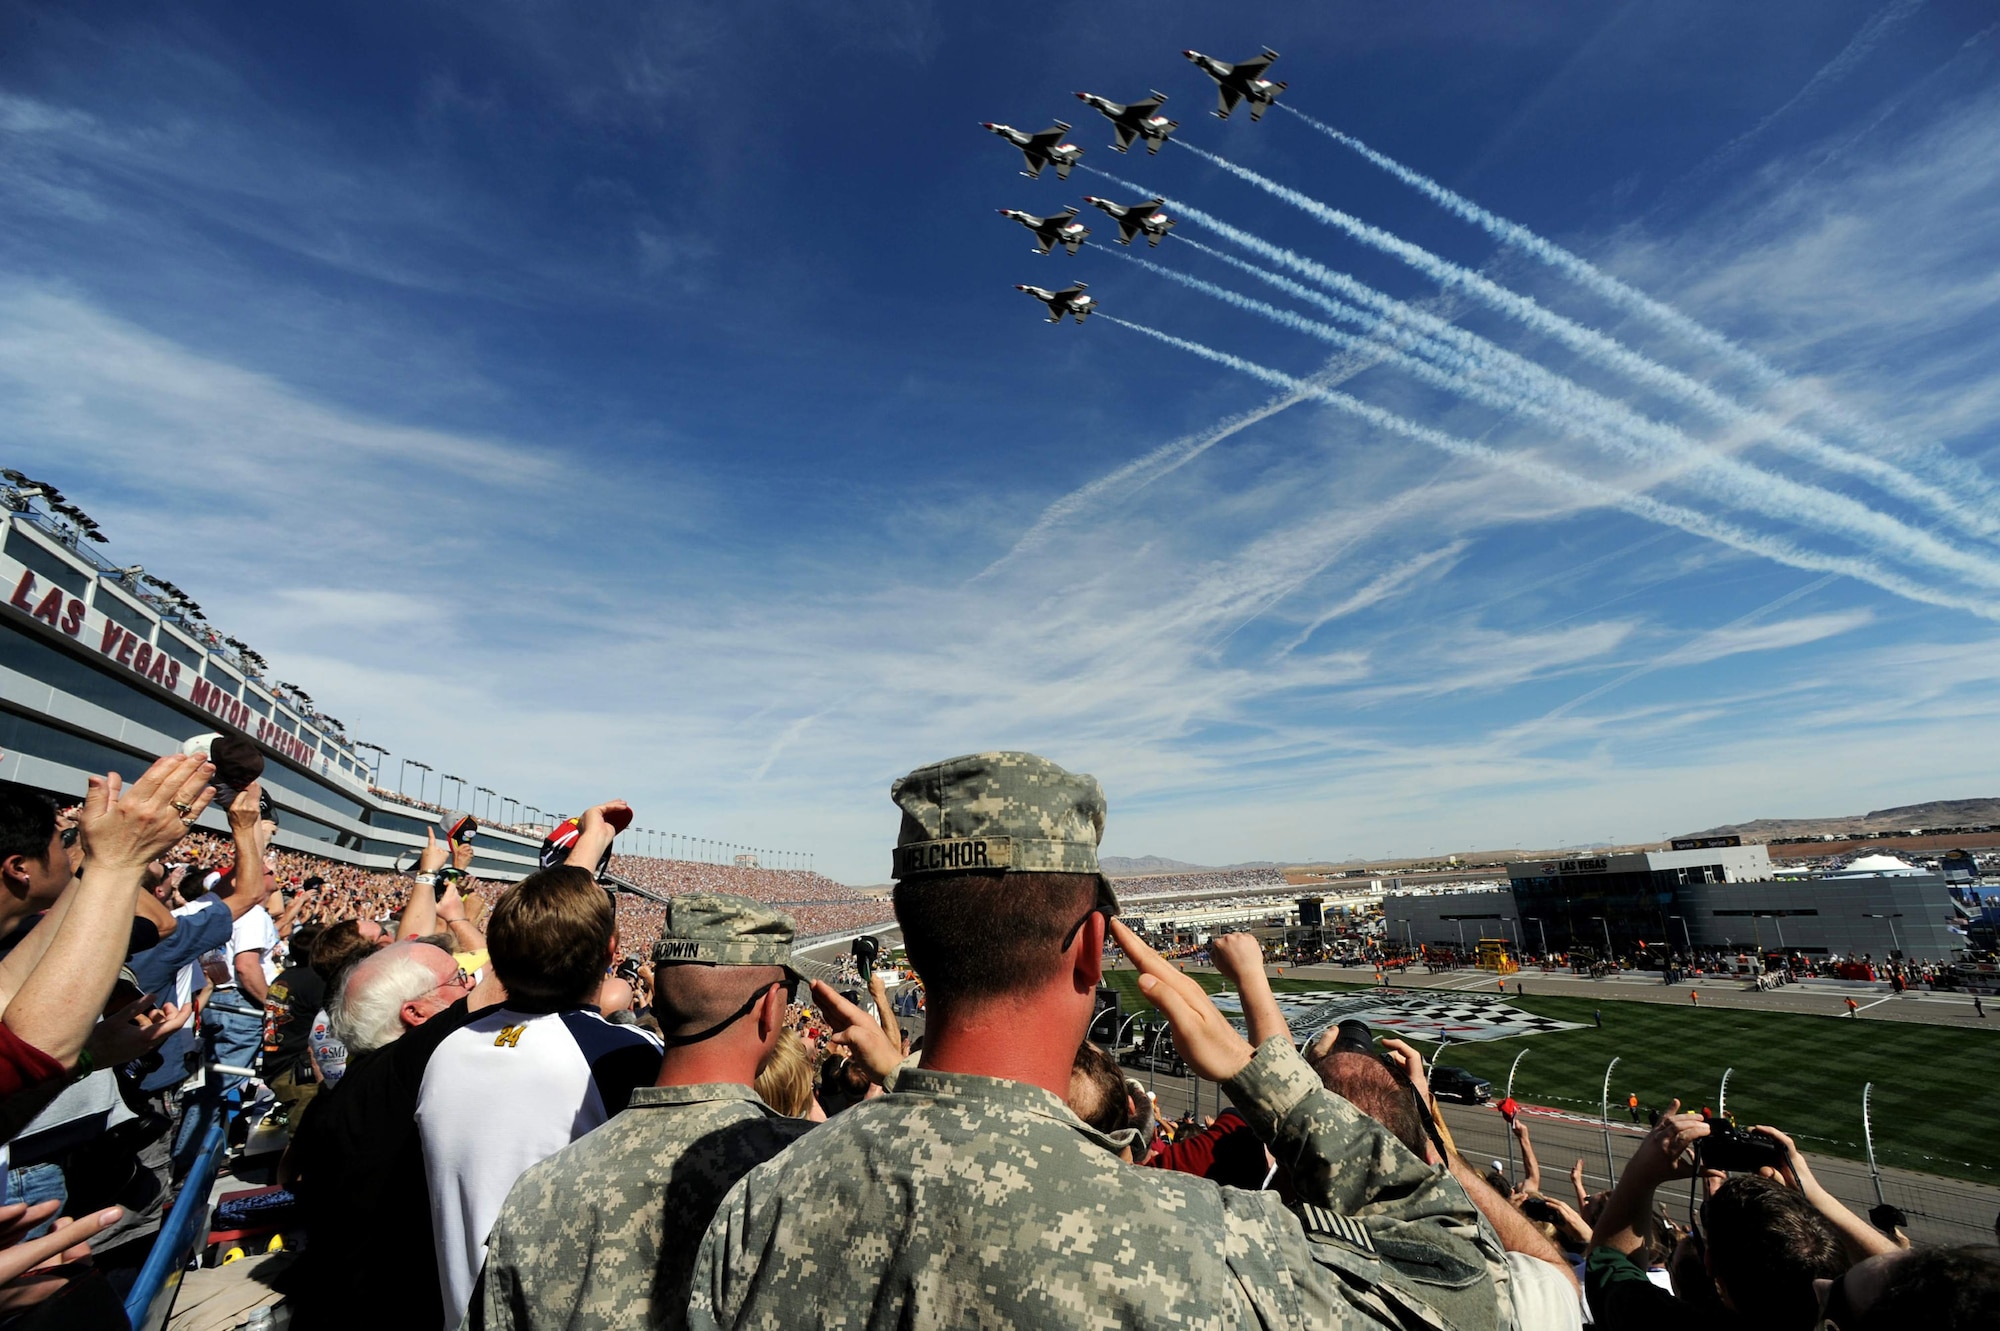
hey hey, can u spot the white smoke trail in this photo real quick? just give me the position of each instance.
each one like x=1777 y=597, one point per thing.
x=1607 y=351
x=1671 y=515
x=1687 y=650
x=1550 y=398
x=1626 y=297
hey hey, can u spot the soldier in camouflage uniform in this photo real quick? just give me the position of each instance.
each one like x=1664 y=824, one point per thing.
x=970 y=1196
x=602 y=1233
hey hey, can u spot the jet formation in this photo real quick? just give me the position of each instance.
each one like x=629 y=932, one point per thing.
x=1131 y=122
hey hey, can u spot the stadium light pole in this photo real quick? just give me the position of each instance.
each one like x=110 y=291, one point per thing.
x=1604 y=1120
x=423 y=770
x=461 y=787
x=489 y=793
x=1510 y=1095
x=1891 y=917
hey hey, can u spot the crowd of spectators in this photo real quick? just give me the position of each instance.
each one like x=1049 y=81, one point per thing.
x=468 y=1090
x=1168 y=885
x=818 y=903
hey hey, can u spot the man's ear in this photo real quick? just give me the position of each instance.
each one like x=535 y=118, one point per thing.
x=413 y=1013
x=771 y=1012
x=1089 y=971
x=14 y=869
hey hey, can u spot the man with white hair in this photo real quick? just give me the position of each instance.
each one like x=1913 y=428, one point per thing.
x=357 y=1163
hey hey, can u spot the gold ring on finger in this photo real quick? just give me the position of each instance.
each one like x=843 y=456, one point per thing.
x=184 y=809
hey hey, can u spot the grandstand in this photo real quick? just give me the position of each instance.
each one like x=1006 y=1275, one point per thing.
x=105 y=667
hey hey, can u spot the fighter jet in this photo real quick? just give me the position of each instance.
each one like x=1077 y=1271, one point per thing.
x=1070 y=300
x=1135 y=218
x=1061 y=229
x=1043 y=149
x=1244 y=79
x=1137 y=120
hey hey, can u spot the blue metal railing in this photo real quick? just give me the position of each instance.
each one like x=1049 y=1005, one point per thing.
x=183 y=1231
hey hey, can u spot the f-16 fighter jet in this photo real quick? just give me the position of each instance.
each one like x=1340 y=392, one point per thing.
x=1043 y=149
x=1135 y=218
x=1137 y=120
x=1070 y=300
x=1242 y=80
x=1063 y=229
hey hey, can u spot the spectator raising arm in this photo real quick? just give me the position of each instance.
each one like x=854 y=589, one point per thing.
x=420 y=911
x=596 y=828
x=878 y=989
x=1861 y=1239
x=58 y=1004
x=1531 y=1168
x=1666 y=1154
x=1240 y=958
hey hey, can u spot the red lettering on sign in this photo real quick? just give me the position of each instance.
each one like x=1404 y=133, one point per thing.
x=173 y=679
x=199 y=695
x=23 y=590
x=125 y=649
x=51 y=607
x=142 y=657
x=158 y=674
x=112 y=633
x=72 y=621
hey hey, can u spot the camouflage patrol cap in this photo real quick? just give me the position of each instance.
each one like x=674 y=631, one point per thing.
x=1012 y=811
x=718 y=929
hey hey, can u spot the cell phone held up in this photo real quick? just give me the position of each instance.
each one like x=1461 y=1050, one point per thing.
x=865 y=950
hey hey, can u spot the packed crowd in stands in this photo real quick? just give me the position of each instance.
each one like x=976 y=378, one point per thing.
x=816 y=902
x=1184 y=884
x=493 y=1120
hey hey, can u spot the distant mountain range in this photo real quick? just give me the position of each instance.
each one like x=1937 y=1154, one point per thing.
x=1937 y=813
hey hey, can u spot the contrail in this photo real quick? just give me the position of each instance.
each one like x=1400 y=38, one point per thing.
x=1653 y=510
x=1605 y=350
x=1567 y=408
x=1666 y=659
x=1859 y=47
x=1626 y=297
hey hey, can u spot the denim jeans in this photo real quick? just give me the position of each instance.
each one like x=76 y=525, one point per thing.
x=37 y=1183
x=226 y=1037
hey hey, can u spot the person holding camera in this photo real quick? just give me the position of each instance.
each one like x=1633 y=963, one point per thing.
x=603 y=1233
x=1760 y=1245
x=971 y=1195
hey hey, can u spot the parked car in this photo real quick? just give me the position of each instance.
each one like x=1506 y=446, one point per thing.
x=1449 y=1083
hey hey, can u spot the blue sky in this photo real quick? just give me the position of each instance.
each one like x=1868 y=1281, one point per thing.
x=633 y=400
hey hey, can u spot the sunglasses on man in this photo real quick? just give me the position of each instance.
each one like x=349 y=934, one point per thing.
x=1106 y=905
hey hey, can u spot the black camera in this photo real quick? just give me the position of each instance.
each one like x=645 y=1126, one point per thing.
x=865 y=950
x=1736 y=1150
x=628 y=970
x=1540 y=1209
x=1354 y=1037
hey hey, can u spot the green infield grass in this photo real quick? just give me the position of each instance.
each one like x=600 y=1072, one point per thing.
x=1934 y=1107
